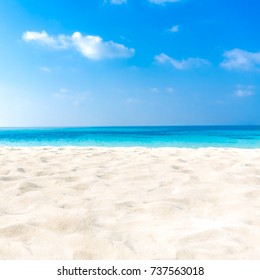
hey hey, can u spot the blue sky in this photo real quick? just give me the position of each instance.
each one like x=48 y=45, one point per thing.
x=129 y=62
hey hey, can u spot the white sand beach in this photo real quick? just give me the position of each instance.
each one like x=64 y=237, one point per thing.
x=129 y=203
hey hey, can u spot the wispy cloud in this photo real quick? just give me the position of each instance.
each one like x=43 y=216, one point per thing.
x=181 y=64
x=117 y=2
x=90 y=46
x=161 y=90
x=244 y=91
x=45 y=69
x=237 y=59
x=132 y=100
x=170 y=90
x=161 y=2
x=174 y=28
x=154 y=89
x=76 y=98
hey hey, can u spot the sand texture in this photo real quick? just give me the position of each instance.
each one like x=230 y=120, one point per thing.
x=129 y=203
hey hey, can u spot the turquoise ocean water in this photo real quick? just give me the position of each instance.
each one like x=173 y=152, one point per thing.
x=168 y=136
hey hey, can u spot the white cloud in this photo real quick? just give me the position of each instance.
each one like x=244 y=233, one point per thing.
x=181 y=64
x=244 y=91
x=174 y=29
x=161 y=2
x=92 y=47
x=238 y=59
x=43 y=38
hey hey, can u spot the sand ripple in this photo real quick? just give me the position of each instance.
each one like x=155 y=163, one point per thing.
x=129 y=203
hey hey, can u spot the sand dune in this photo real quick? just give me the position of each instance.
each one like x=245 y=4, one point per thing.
x=129 y=203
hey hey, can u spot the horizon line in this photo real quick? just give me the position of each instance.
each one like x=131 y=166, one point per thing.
x=118 y=126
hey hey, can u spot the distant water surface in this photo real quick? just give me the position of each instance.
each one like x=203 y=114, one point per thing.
x=163 y=136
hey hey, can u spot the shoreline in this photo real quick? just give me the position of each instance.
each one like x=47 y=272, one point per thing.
x=127 y=147
x=129 y=203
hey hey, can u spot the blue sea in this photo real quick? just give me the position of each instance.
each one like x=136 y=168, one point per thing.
x=161 y=136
